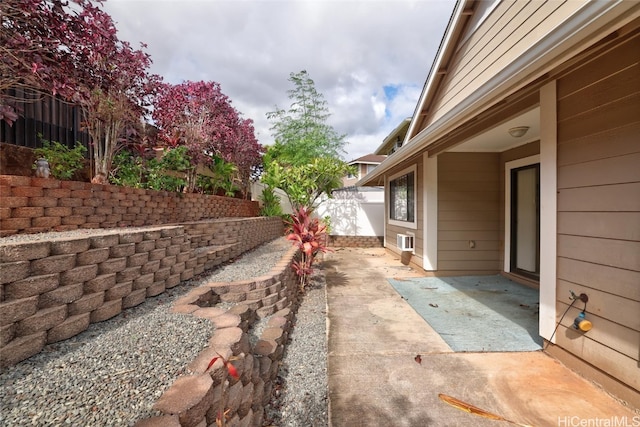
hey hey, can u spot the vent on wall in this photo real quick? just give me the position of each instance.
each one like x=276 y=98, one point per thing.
x=405 y=242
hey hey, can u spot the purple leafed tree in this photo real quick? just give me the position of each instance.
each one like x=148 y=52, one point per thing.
x=71 y=49
x=199 y=116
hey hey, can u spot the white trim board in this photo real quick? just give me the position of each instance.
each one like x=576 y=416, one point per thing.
x=430 y=209
x=548 y=208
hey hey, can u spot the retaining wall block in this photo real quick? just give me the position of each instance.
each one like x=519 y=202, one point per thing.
x=87 y=303
x=157 y=254
x=138 y=259
x=31 y=286
x=146 y=245
x=129 y=274
x=22 y=348
x=265 y=348
x=162 y=274
x=136 y=297
x=226 y=320
x=119 y=291
x=189 y=398
x=78 y=274
x=105 y=241
x=16 y=310
x=155 y=289
x=53 y=264
x=246 y=400
x=234 y=397
x=13 y=271
x=150 y=267
x=93 y=256
x=42 y=320
x=72 y=326
x=112 y=265
x=7 y=333
x=100 y=283
x=145 y=281
x=227 y=338
x=233 y=297
x=106 y=311
x=74 y=246
x=168 y=261
x=61 y=296
x=172 y=281
x=265 y=311
x=122 y=250
x=209 y=313
x=178 y=268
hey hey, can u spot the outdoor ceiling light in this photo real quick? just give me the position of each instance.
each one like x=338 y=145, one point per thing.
x=518 y=131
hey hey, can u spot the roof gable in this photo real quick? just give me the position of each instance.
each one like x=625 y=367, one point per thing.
x=486 y=38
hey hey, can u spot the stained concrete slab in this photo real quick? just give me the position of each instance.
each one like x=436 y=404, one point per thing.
x=476 y=313
x=374 y=379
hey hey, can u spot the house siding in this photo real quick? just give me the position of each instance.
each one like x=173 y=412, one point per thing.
x=508 y=30
x=599 y=209
x=468 y=211
x=393 y=230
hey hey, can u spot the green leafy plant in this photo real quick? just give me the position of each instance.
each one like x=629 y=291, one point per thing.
x=127 y=170
x=169 y=173
x=305 y=184
x=309 y=236
x=223 y=176
x=63 y=161
x=270 y=203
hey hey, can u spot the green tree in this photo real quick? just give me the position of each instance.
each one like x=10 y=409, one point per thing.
x=301 y=133
x=305 y=183
x=305 y=160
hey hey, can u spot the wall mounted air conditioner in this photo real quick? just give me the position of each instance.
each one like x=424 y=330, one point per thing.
x=405 y=242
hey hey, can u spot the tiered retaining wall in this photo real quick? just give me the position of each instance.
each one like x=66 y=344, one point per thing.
x=51 y=290
x=34 y=205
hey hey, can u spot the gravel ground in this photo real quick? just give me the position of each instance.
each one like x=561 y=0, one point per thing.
x=300 y=397
x=111 y=374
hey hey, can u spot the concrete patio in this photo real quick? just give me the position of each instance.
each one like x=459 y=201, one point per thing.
x=377 y=379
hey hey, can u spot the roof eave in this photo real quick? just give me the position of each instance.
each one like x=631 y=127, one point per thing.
x=531 y=63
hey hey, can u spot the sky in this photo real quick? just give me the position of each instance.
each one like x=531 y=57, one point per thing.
x=368 y=58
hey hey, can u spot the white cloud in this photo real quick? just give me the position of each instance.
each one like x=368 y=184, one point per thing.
x=352 y=50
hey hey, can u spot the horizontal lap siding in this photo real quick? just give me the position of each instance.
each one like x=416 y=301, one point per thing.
x=599 y=208
x=510 y=29
x=468 y=209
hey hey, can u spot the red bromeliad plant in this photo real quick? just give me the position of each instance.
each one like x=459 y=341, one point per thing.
x=310 y=236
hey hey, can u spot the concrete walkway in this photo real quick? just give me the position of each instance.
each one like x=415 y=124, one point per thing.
x=375 y=380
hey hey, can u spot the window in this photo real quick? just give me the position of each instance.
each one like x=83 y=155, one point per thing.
x=402 y=198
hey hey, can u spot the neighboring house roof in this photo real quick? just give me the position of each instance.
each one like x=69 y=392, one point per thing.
x=457 y=89
x=395 y=139
x=369 y=159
